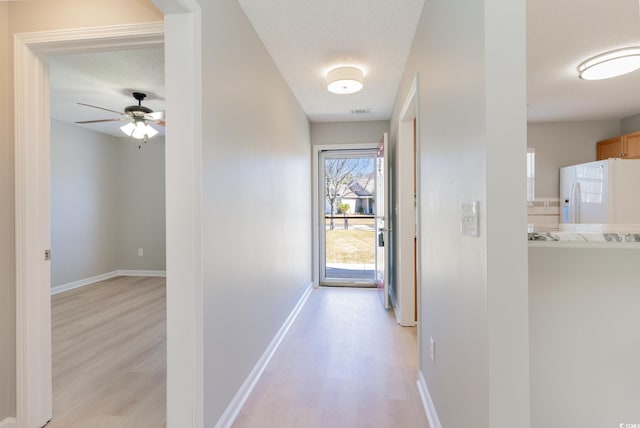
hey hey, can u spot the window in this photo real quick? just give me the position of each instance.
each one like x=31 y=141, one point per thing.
x=531 y=174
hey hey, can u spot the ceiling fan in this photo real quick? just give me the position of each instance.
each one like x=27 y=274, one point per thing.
x=138 y=117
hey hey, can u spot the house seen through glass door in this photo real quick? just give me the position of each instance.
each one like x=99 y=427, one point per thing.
x=347 y=184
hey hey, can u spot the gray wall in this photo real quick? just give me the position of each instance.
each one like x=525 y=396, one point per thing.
x=7 y=242
x=256 y=201
x=630 y=124
x=584 y=337
x=560 y=144
x=472 y=144
x=141 y=213
x=107 y=200
x=84 y=203
x=325 y=133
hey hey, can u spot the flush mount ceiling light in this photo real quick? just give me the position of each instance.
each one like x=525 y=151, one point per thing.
x=610 y=64
x=344 y=80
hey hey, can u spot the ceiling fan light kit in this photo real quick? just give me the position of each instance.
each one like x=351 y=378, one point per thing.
x=139 y=130
x=610 y=64
x=345 y=80
x=138 y=117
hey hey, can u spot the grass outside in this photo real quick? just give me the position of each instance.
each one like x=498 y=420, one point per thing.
x=350 y=246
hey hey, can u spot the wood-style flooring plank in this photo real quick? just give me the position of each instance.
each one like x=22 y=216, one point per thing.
x=344 y=363
x=109 y=357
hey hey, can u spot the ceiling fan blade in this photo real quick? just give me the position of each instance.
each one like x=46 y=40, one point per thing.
x=101 y=120
x=102 y=108
x=160 y=122
x=156 y=115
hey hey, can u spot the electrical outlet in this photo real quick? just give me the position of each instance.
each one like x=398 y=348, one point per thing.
x=141 y=252
x=432 y=349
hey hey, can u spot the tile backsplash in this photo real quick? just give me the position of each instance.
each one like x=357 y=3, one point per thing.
x=544 y=211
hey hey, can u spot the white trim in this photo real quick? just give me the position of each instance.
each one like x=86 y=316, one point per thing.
x=406 y=215
x=8 y=423
x=34 y=406
x=103 y=277
x=416 y=84
x=32 y=182
x=183 y=147
x=128 y=272
x=427 y=403
x=83 y=282
x=113 y=37
x=231 y=413
x=316 y=214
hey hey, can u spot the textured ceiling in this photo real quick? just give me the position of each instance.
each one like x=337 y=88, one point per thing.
x=105 y=79
x=307 y=37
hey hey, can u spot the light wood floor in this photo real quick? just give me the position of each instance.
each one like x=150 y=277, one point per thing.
x=344 y=363
x=109 y=359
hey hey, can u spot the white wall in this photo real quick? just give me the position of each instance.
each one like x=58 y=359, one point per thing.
x=560 y=144
x=107 y=200
x=472 y=141
x=326 y=133
x=584 y=306
x=256 y=202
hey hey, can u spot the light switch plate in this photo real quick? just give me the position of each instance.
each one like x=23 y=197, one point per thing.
x=469 y=218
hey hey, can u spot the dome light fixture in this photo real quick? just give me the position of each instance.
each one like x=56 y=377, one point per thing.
x=610 y=64
x=344 y=80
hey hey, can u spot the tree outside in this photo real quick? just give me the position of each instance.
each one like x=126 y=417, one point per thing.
x=339 y=174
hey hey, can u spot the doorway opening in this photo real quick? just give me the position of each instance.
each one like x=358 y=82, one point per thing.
x=183 y=172
x=347 y=196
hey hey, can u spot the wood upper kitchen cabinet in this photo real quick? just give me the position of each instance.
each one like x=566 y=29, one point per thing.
x=624 y=146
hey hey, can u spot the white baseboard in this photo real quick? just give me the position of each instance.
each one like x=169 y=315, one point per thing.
x=8 y=423
x=427 y=403
x=124 y=272
x=92 y=280
x=83 y=282
x=232 y=411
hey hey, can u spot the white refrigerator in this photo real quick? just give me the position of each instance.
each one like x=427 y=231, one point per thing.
x=606 y=192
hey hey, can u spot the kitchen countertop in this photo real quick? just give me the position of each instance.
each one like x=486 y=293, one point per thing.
x=585 y=235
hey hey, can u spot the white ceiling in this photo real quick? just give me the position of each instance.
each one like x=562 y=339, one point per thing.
x=562 y=34
x=306 y=38
x=105 y=79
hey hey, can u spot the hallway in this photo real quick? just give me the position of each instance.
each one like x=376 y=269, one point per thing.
x=344 y=363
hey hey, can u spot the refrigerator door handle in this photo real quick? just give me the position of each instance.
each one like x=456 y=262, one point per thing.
x=574 y=205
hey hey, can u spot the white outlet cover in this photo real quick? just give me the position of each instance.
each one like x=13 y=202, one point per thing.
x=469 y=218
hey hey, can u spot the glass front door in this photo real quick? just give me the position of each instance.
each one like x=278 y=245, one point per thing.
x=347 y=185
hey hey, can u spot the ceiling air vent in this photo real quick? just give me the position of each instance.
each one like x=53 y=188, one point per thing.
x=361 y=111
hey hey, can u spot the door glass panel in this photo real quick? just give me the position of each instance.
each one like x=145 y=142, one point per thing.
x=348 y=184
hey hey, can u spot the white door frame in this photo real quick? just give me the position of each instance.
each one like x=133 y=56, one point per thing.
x=322 y=262
x=318 y=217
x=407 y=217
x=183 y=201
